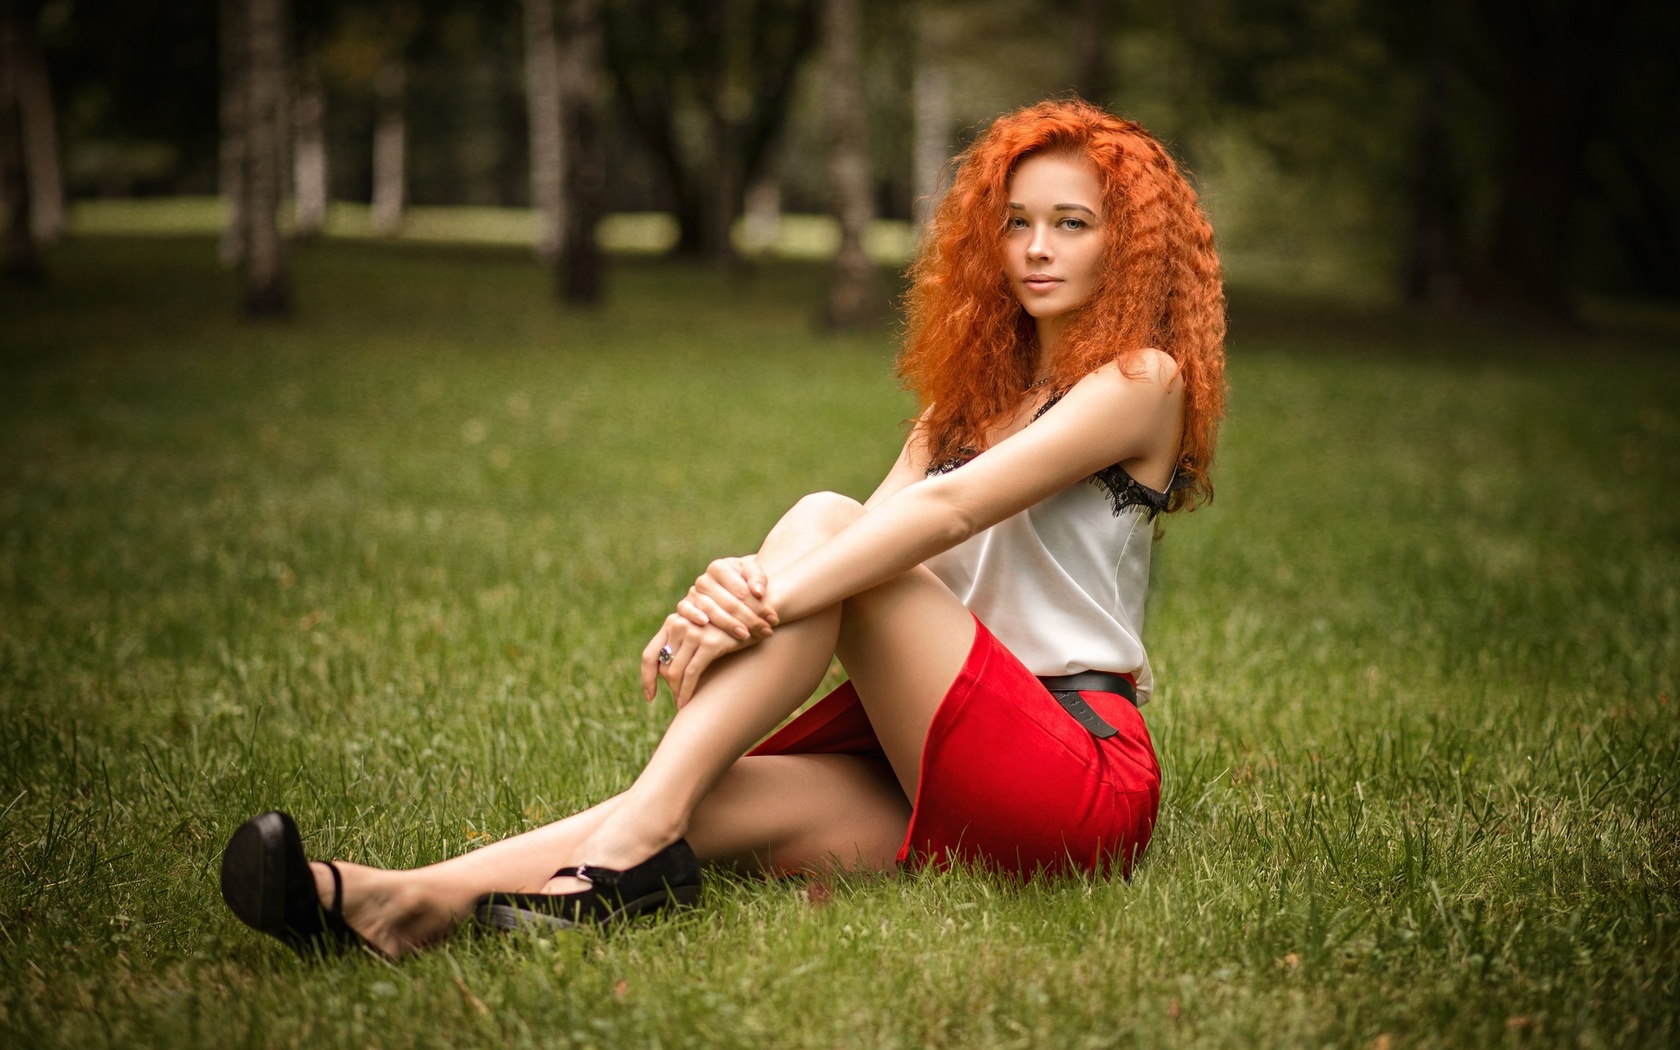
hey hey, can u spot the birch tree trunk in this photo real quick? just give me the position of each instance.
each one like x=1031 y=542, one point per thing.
x=930 y=110
x=581 y=273
x=930 y=138
x=285 y=136
x=854 y=296
x=763 y=222
x=21 y=261
x=40 y=137
x=542 y=90
x=309 y=152
x=231 y=149
x=266 y=291
x=390 y=134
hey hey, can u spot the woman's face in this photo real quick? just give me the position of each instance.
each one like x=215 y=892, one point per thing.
x=1054 y=240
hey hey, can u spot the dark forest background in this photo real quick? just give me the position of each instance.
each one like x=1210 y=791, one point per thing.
x=1465 y=153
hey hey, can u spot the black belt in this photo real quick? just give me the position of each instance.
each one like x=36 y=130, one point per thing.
x=1067 y=687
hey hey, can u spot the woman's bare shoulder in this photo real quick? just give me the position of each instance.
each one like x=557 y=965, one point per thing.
x=1148 y=374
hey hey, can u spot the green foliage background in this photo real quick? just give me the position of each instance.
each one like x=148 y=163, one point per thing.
x=387 y=565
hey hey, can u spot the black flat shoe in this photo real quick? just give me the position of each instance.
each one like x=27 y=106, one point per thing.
x=668 y=879
x=266 y=881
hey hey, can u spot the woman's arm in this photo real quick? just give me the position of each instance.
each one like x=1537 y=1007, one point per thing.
x=1108 y=417
x=726 y=608
x=730 y=593
x=910 y=467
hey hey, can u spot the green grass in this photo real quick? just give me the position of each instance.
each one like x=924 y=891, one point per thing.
x=797 y=236
x=388 y=565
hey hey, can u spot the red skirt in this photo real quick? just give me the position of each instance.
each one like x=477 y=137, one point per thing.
x=1008 y=779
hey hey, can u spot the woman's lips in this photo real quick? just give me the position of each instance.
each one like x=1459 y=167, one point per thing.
x=1041 y=283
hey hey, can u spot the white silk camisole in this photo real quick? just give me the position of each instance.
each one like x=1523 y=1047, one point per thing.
x=1062 y=584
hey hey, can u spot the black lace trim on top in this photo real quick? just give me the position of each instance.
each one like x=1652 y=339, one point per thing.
x=945 y=466
x=1126 y=491
x=1122 y=489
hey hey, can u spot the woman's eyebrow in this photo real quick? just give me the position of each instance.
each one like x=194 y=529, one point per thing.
x=1059 y=207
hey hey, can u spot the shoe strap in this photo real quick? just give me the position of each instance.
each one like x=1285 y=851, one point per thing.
x=338 y=889
x=589 y=873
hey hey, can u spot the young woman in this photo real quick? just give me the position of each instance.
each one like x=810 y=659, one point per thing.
x=1066 y=328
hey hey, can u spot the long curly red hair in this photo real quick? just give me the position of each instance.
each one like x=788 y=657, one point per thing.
x=970 y=350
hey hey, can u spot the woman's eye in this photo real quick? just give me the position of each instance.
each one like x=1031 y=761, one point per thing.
x=1015 y=222
x=1071 y=223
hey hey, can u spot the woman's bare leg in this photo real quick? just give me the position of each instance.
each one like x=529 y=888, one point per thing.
x=777 y=814
x=398 y=911
x=741 y=698
x=771 y=814
x=746 y=694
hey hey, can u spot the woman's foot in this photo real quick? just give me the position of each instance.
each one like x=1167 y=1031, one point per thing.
x=618 y=845
x=267 y=882
x=385 y=908
x=669 y=878
x=321 y=908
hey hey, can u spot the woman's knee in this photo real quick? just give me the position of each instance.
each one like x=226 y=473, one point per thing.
x=826 y=511
x=814 y=519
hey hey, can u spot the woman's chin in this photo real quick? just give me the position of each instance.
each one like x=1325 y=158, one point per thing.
x=1042 y=311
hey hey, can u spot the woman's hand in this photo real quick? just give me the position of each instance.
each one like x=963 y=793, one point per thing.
x=692 y=649
x=730 y=595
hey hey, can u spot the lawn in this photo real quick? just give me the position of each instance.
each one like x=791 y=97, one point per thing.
x=388 y=565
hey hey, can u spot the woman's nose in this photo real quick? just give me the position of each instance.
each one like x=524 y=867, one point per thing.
x=1039 y=246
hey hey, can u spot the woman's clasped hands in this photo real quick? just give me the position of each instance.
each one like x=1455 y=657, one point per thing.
x=724 y=611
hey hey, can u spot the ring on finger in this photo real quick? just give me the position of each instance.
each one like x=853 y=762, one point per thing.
x=665 y=655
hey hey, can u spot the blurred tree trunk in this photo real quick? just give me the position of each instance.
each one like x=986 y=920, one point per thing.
x=1554 y=61
x=581 y=272
x=231 y=149
x=309 y=155
x=1090 y=50
x=286 y=136
x=854 y=294
x=1642 y=214
x=763 y=218
x=724 y=65
x=1432 y=267
x=266 y=291
x=480 y=136
x=931 y=133
x=390 y=138
x=22 y=260
x=725 y=189
x=542 y=89
x=712 y=208
x=40 y=136
x=930 y=106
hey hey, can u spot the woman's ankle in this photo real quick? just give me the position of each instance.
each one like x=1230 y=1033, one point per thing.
x=623 y=842
x=393 y=910
x=645 y=828
x=326 y=887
